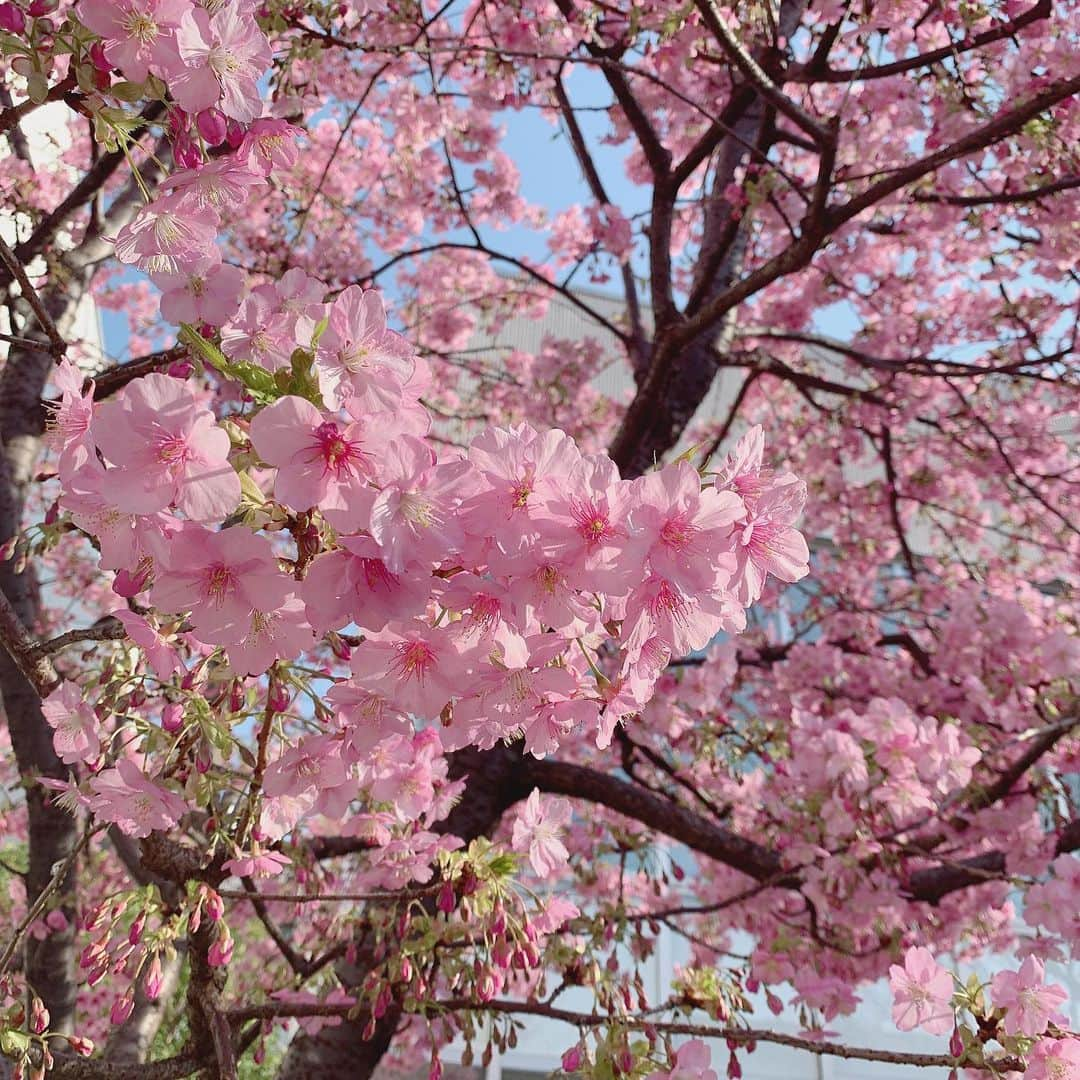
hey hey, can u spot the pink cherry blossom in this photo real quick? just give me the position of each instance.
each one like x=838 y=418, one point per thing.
x=206 y=291
x=537 y=828
x=270 y=144
x=1028 y=1000
x=70 y=418
x=359 y=359
x=73 y=722
x=164 y=660
x=1054 y=1059
x=683 y=621
x=283 y=631
x=683 y=530
x=319 y=462
x=418 y=668
x=137 y=33
x=413 y=518
x=355 y=585
x=168 y=235
x=166 y=449
x=225 y=54
x=922 y=993
x=138 y=806
x=221 y=579
x=692 y=1062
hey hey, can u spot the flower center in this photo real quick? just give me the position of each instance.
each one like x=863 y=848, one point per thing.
x=355 y=358
x=172 y=450
x=219 y=582
x=167 y=229
x=519 y=686
x=547 y=578
x=342 y=456
x=222 y=62
x=678 y=532
x=414 y=658
x=140 y=26
x=669 y=601
x=418 y=510
x=592 y=523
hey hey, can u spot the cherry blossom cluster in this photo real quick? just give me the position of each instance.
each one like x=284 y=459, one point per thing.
x=484 y=586
x=1023 y=1014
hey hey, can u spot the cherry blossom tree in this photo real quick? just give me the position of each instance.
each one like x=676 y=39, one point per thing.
x=366 y=687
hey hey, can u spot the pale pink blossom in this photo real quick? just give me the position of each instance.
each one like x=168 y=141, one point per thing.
x=137 y=34
x=205 y=291
x=70 y=418
x=1054 y=1059
x=1030 y=1003
x=74 y=726
x=683 y=530
x=413 y=518
x=280 y=633
x=419 y=668
x=319 y=461
x=226 y=54
x=164 y=660
x=692 y=1062
x=128 y=799
x=922 y=993
x=168 y=235
x=221 y=578
x=270 y=144
x=166 y=449
x=355 y=585
x=359 y=360
x=537 y=831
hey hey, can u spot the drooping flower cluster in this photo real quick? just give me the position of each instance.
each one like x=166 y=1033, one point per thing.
x=485 y=585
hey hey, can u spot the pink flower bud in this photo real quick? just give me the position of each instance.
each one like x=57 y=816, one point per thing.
x=435 y=1072
x=734 y=1069
x=172 y=717
x=136 y=931
x=122 y=1007
x=235 y=133
x=186 y=151
x=181 y=369
x=446 y=901
x=127 y=584
x=342 y=650
x=39 y=1017
x=215 y=906
x=12 y=19
x=155 y=979
x=571 y=1059
x=220 y=953
x=213 y=126
x=277 y=699
x=99 y=59
x=82 y=1046
x=956 y=1044
x=625 y=1061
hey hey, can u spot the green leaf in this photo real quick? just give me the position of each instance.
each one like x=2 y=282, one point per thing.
x=256 y=380
x=127 y=91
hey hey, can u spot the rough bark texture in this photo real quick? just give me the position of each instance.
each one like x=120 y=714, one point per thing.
x=53 y=833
